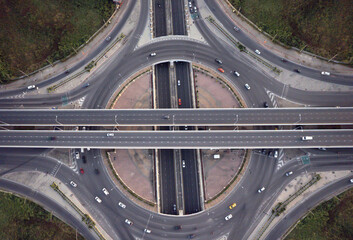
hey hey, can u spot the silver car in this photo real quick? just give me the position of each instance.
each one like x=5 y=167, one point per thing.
x=122 y=205
x=105 y=191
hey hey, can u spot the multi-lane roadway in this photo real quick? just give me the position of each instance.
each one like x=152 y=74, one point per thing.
x=260 y=172
x=177 y=117
x=179 y=139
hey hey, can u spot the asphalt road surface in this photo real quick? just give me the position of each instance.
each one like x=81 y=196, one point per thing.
x=181 y=116
x=252 y=139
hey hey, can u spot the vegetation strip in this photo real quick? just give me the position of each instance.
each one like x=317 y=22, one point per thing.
x=331 y=219
x=321 y=27
x=24 y=219
x=281 y=206
x=242 y=48
x=85 y=217
x=88 y=68
x=33 y=39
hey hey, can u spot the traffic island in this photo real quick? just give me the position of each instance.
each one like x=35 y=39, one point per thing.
x=220 y=168
x=132 y=169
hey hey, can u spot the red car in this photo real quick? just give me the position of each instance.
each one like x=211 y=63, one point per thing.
x=221 y=70
x=82 y=171
x=179 y=101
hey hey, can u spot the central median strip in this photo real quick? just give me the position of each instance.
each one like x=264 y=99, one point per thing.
x=88 y=68
x=281 y=206
x=85 y=217
x=242 y=48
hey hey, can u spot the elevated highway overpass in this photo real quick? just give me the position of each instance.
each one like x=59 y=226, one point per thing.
x=177 y=117
x=250 y=139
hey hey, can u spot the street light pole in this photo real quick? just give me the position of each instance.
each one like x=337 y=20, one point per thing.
x=173 y=122
x=56 y=120
x=300 y=118
x=236 y=121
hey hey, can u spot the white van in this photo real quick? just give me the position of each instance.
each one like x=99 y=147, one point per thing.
x=307 y=138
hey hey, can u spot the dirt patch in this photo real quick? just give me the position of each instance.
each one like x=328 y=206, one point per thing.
x=219 y=172
x=134 y=166
x=212 y=93
x=137 y=95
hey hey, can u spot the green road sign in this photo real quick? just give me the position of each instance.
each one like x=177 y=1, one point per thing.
x=305 y=159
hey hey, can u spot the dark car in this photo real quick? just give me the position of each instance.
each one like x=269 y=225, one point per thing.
x=191 y=236
x=84 y=159
x=52 y=138
x=177 y=227
x=265 y=105
x=297 y=70
x=284 y=60
x=96 y=171
x=218 y=61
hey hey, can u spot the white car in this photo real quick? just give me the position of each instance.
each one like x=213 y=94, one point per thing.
x=275 y=155
x=122 y=205
x=105 y=191
x=127 y=221
x=228 y=217
x=110 y=134
x=73 y=184
x=153 y=54
x=247 y=86
x=98 y=199
x=77 y=155
x=289 y=173
x=147 y=230
x=183 y=164
x=236 y=73
x=257 y=52
x=178 y=82
x=351 y=180
x=325 y=73
x=261 y=190
x=31 y=87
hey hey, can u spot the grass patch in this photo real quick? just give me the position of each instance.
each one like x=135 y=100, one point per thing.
x=330 y=220
x=23 y=219
x=36 y=32
x=322 y=27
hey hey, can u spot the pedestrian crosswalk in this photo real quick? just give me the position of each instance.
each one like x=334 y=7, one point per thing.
x=271 y=95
